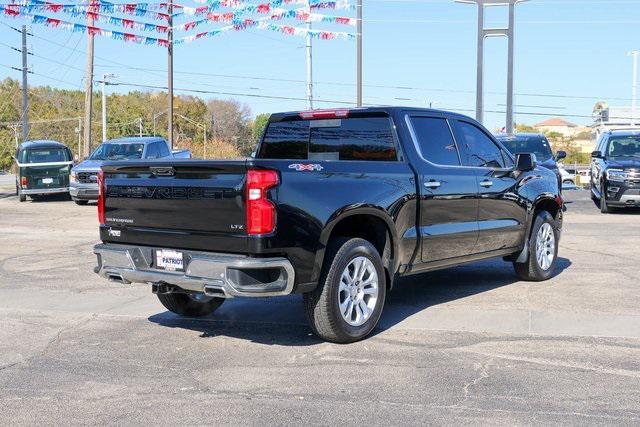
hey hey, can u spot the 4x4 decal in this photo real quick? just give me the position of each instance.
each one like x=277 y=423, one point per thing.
x=301 y=168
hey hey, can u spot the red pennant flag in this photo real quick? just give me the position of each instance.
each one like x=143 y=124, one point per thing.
x=264 y=8
x=94 y=31
x=127 y=23
x=52 y=22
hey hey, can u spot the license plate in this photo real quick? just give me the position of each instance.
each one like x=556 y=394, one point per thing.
x=47 y=180
x=169 y=260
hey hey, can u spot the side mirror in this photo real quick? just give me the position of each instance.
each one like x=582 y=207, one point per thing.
x=597 y=155
x=561 y=155
x=525 y=162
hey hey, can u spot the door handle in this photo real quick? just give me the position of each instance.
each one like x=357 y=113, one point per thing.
x=432 y=184
x=486 y=183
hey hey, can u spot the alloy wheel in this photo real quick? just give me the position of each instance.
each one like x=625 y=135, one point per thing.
x=545 y=246
x=358 y=291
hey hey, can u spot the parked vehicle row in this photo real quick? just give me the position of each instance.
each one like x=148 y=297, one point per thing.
x=336 y=205
x=47 y=167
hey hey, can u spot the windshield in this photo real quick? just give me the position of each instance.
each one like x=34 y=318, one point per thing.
x=538 y=146
x=45 y=155
x=628 y=146
x=108 y=151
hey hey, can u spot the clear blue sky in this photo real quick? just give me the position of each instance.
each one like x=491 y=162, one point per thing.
x=563 y=47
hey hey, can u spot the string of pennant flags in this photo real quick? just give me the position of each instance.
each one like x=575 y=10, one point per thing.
x=102 y=12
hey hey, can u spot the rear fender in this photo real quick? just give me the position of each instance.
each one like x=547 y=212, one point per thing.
x=349 y=211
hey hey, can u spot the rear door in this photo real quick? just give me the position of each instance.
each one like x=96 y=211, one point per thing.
x=448 y=193
x=501 y=211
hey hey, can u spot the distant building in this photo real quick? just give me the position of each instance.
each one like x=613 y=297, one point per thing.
x=612 y=118
x=561 y=126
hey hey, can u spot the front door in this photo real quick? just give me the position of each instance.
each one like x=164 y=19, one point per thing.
x=448 y=192
x=502 y=212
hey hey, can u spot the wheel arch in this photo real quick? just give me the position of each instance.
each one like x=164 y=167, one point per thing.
x=369 y=222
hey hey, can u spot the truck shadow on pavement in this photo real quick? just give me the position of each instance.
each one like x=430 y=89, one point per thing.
x=281 y=321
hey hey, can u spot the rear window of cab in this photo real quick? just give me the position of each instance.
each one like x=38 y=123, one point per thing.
x=358 y=138
x=44 y=155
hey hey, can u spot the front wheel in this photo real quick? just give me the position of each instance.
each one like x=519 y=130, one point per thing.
x=191 y=305
x=543 y=250
x=348 y=302
x=604 y=207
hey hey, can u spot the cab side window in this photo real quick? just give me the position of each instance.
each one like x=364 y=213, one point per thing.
x=152 y=151
x=477 y=148
x=434 y=141
x=163 y=149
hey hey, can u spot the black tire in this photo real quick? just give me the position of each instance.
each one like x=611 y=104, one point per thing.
x=604 y=207
x=322 y=304
x=81 y=202
x=187 y=305
x=22 y=197
x=531 y=270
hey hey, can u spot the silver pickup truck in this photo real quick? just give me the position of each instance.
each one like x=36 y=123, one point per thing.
x=83 y=182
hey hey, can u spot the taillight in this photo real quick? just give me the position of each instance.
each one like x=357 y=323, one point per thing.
x=324 y=114
x=261 y=213
x=101 y=196
x=23 y=181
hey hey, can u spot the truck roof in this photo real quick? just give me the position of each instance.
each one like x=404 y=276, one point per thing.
x=41 y=143
x=136 y=140
x=389 y=110
x=519 y=135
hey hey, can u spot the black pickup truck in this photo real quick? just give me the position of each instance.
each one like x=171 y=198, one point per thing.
x=336 y=205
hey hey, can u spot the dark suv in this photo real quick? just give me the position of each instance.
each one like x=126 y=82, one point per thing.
x=615 y=170
x=537 y=144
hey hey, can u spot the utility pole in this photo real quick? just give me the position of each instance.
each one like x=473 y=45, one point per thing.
x=494 y=32
x=359 y=53
x=170 y=74
x=309 y=60
x=634 y=87
x=204 y=156
x=25 y=87
x=140 y=125
x=79 y=132
x=88 y=91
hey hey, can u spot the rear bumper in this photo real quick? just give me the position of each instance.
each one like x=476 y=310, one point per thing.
x=215 y=274
x=45 y=190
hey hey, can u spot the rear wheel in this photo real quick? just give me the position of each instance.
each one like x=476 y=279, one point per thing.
x=191 y=305
x=21 y=197
x=348 y=302
x=543 y=250
x=81 y=202
x=604 y=207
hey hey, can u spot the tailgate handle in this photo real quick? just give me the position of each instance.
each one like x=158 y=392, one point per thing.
x=162 y=170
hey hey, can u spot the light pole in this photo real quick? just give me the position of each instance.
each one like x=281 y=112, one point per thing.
x=494 y=32
x=200 y=125
x=634 y=86
x=309 y=60
x=359 y=53
x=155 y=116
x=104 y=104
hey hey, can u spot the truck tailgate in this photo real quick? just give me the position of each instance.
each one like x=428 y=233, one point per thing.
x=182 y=204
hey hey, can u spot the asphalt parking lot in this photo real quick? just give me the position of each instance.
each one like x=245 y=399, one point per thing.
x=465 y=345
